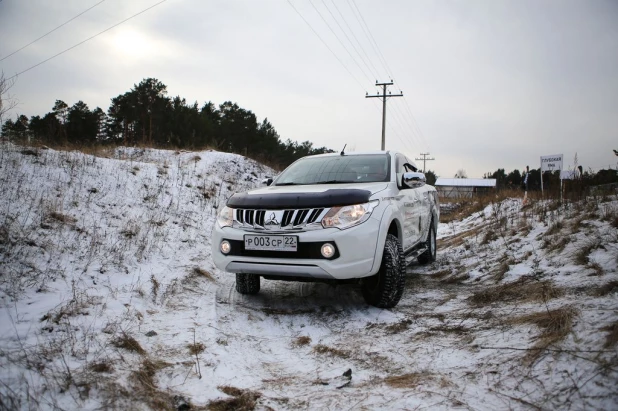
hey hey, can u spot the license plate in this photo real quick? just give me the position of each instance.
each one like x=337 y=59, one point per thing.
x=271 y=242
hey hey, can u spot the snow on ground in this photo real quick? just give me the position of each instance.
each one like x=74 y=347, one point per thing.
x=109 y=299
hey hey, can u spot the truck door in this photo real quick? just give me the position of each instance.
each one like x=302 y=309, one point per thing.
x=411 y=203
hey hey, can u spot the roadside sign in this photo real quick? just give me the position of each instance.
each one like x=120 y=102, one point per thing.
x=551 y=163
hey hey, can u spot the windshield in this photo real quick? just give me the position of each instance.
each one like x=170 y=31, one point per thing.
x=366 y=168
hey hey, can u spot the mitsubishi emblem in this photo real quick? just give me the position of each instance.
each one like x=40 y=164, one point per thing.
x=272 y=220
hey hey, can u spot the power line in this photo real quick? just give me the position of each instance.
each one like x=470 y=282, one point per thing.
x=88 y=39
x=348 y=37
x=338 y=39
x=369 y=36
x=327 y=46
x=375 y=70
x=51 y=31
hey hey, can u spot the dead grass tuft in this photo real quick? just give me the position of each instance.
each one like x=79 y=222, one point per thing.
x=101 y=366
x=196 y=348
x=411 y=380
x=606 y=289
x=62 y=218
x=555 y=325
x=457 y=240
x=398 y=327
x=200 y=272
x=145 y=387
x=128 y=343
x=503 y=268
x=489 y=236
x=301 y=341
x=554 y=228
x=580 y=255
x=441 y=274
x=524 y=289
x=556 y=244
x=243 y=400
x=335 y=352
x=456 y=279
x=612 y=338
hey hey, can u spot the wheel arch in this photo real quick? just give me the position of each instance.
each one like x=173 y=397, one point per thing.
x=395 y=228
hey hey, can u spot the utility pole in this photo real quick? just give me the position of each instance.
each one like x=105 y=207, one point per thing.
x=425 y=158
x=384 y=96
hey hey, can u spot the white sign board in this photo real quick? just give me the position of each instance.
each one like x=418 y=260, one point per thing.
x=551 y=163
x=569 y=174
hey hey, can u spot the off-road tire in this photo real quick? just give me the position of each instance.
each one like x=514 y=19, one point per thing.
x=429 y=256
x=384 y=290
x=247 y=283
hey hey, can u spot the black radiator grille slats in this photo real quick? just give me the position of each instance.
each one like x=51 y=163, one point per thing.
x=287 y=217
x=314 y=215
x=300 y=217
x=290 y=219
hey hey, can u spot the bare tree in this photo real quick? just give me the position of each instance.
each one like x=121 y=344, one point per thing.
x=461 y=173
x=7 y=102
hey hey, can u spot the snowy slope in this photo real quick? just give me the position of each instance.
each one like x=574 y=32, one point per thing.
x=109 y=299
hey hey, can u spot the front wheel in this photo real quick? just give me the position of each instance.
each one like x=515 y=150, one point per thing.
x=247 y=283
x=384 y=290
x=429 y=256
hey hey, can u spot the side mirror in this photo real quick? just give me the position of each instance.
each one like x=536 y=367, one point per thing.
x=267 y=181
x=413 y=180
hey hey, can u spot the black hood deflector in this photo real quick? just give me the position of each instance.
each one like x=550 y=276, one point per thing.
x=275 y=201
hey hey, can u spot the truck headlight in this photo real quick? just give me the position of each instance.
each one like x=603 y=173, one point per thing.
x=225 y=217
x=348 y=216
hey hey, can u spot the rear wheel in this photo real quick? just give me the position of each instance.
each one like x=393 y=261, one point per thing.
x=247 y=283
x=384 y=290
x=429 y=256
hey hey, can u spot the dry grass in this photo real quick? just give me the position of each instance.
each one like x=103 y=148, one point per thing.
x=555 y=244
x=503 y=268
x=62 y=218
x=455 y=279
x=612 y=337
x=200 y=272
x=145 y=387
x=411 y=380
x=438 y=275
x=301 y=341
x=242 y=400
x=196 y=348
x=555 y=325
x=580 y=255
x=554 y=228
x=458 y=239
x=524 y=289
x=128 y=343
x=335 y=352
x=101 y=366
x=606 y=289
x=398 y=327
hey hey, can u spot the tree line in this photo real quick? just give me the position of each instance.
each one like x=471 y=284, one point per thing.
x=146 y=116
x=551 y=180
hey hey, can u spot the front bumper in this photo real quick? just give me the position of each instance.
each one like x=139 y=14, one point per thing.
x=356 y=249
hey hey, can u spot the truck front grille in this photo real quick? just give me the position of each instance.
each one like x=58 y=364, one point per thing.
x=279 y=220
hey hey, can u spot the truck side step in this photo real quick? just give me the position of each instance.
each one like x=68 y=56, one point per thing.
x=413 y=255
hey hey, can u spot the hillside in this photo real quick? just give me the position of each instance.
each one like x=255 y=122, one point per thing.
x=109 y=299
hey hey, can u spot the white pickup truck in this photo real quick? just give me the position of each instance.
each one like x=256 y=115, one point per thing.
x=332 y=218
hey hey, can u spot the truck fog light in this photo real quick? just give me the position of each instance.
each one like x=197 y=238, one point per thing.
x=225 y=247
x=328 y=250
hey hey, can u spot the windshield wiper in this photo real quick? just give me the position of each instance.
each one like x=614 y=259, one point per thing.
x=288 y=184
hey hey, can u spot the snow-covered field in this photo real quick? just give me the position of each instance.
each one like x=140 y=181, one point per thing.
x=109 y=300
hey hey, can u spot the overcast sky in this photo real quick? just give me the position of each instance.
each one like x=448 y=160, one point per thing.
x=486 y=84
